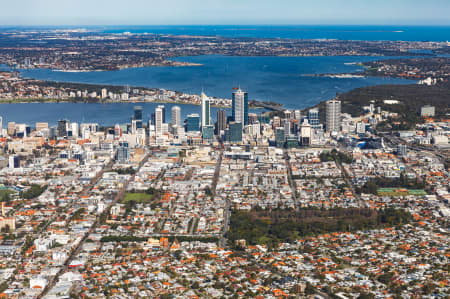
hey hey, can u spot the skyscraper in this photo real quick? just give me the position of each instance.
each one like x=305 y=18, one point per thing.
x=206 y=110
x=138 y=116
x=208 y=133
x=239 y=106
x=159 y=119
x=298 y=114
x=193 y=123
x=305 y=133
x=234 y=132
x=138 y=112
x=62 y=128
x=221 y=121
x=123 y=152
x=280 y=137
x=163 y=113
x=104 y=93
x=333 y=116
x=313 y=118
x=176 y=116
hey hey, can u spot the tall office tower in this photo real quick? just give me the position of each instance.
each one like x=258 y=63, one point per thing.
x=163 y=113
x=152 y=119
x=159 y=119
x=288 y=114
x=41 y=126
x=287 y=127
x=138 y=116
x=193 y=123
x=305 y=133
x=134 y=126
x=74 y=129
x=280 y=137
x=11 y=128
x=206 y=110
x=138 y=112
x=313 y=118
x=123 y=152
x=208 y=133
x=298 y=114
x=239 y=106
x=221 y=121
x=176 y=116
x=14 y=161
x=104 y=93
x=234 y=132
x=62 y=128
x=333 y=116
x=117 y=131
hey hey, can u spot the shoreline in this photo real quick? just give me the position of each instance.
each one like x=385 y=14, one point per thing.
x=55 y=101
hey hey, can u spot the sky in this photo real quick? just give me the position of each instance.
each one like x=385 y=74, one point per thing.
x=224 y=12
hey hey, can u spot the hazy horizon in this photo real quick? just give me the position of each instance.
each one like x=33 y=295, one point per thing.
x=221 y=12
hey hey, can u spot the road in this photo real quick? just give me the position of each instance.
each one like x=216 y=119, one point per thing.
x=226 y=217
x=292 y=183
x=216 y=173
x=119 y=196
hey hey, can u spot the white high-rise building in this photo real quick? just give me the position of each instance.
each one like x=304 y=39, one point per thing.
x=159 y=119
x=74 y=128
x=360 y=128
x=176 y=116
x=305 y=133
x=206 y=110
x=104 y=93
x=239 y=106
x=333 y=116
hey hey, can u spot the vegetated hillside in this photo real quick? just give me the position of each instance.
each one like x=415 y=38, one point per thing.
x=412 y=97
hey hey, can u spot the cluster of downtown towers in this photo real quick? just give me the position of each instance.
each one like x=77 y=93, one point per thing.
x=229 y=128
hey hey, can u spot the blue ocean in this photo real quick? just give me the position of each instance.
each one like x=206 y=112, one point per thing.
x=342 y=32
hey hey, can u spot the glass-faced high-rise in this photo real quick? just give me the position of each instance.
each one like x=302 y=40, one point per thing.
x=206 y=111
x=193 y=123
x=138 y=112
x=138 y=116
x=239 y=106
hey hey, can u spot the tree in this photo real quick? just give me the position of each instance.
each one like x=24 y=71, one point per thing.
x=366 y=296
x=310 y=289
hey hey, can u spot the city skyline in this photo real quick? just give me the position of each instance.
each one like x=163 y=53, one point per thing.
x=196 y=12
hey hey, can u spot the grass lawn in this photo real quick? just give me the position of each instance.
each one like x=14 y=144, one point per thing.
x=400 y=192
x=137 y=197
